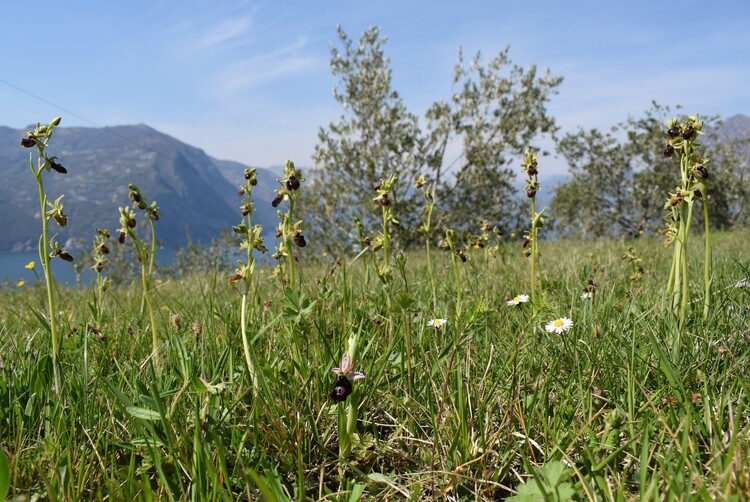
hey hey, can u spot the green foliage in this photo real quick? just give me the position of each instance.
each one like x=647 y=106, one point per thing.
x=496 y=111
x=550 y=483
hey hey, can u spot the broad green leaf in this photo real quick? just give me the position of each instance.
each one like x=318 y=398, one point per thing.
x=4 y=475
x=143 y=413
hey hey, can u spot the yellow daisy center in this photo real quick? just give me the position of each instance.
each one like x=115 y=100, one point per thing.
x=517 y=299
x=558 y=323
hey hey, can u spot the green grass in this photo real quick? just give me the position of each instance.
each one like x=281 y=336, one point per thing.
x=624 y=406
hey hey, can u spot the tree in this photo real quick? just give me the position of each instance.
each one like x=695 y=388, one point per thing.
x=620 y=179
x=376 y=136
x=730 y=151
x=493 y=116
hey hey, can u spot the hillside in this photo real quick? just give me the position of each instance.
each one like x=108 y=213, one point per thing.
x=189 y=186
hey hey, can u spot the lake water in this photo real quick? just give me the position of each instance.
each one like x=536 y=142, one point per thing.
x=13 y=268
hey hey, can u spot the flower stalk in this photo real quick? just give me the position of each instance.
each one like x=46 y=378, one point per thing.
x=347 y=410
x=428 y=192
x=48 y=247
x=99 y=252
x=146 y=254
x=680 y=139
x=289 y=231
x=531 y=238
x=450 y=244
x=245 y=272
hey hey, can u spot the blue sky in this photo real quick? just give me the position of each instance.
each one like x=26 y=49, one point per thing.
x=250 y=80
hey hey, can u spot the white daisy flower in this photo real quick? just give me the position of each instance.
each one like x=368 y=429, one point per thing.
x=436 y=323
x=518 y=299
x=740 y=285
x=588 y=295
x=559 y=325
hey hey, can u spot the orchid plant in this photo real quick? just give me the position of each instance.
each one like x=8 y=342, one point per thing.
x=343 y=388
x=245 y=272
x=48 y=246
x=681 y=139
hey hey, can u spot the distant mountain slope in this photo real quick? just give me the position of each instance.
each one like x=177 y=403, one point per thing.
x=193 y=194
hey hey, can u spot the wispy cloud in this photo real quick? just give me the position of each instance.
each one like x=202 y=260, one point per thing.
x=188 y=35
x=225 y=30
x=263 y=67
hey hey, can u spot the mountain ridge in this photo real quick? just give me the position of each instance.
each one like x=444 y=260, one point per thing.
x=193 y=194
x=197 y=193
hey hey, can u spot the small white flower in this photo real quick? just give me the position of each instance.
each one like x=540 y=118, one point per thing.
x=588 y=295
x=436 y=323
x=518 y=299
x=559 y=325
x=742 y=284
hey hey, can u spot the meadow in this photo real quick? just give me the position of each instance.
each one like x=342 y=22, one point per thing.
x=623 y=405
x=483 y=367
